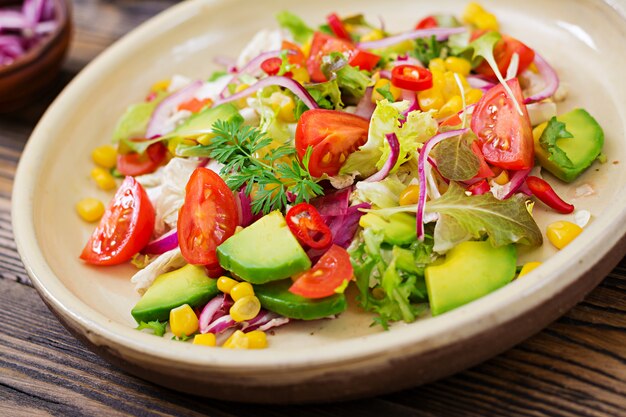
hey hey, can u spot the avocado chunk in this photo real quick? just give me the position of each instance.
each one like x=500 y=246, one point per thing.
x=187 y=285
x=398 y=229
x=264 y=251
x=469 y=271
x=579 y=151
x=276 y=297
x=207 y=117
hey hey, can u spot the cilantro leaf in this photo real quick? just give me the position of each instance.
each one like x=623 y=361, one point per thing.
x=156 y=326
x=556 y=130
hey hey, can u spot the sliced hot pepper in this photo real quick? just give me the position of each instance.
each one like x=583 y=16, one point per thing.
x=336 y=25
x=544 y=192
x=271 y=66
x=194 y=105
x=411 y=77
x=427 y=23
x=307 y=225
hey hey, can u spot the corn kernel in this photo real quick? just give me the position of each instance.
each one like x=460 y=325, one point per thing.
x=437 y=64
x=410 y=195
x=242 y=102
x=452 y=106
x=183 y=321
x=528 y=266
x=162 y=85
x=430 y=99
x=226 y=284
x=246 y=308
x=532 y=67
x=105 y=156
x=240 y=290
x=475 y=15
x=451 y=88
x=374 y=35
x=103 y=178
x=439 y=81
x=382 y=83
x=207 y=339
x=237 y=340
x=502 y=178
x=459 y=65
x=284 y=106
x=90 y=209
x=300 y=74
x=256 y=339
x=472 y=96
x=203 y=140
x=561 y=233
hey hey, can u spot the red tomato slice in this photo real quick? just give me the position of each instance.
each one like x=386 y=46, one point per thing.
x=324 y=44
x=506 y=136
x=125 y=228
x=503 y=52
x=326 y=276
x=479 y=188
x=427 y=23
x=484 y=171
x=135 y=164
x=333 y=135
x=297 y=58
x=207 y=218
x=336 y=25
x=307 y=225
x=411 y=77
x=194 y=105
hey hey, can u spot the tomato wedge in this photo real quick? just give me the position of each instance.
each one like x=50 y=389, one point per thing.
x=194 y=105
x=297 y=57
x=336 y=25
x=427 y=23
x=503 y=52
x=307 y=225
x=207 y=218
x=333 y=135
x=411 y=77
x=328 y=274
x=484 y=171
x=135 y=164
x=324 y=44
x=505 y=135
x=125 y=228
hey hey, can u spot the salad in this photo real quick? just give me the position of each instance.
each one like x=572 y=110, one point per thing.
x=401 y=167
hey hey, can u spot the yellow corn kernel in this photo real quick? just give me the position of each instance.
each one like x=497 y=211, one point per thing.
x=256 y=339
x=241 y=103
x=207 y=339
x=452 y=106
x=103 y=178
x=561 y=233
x=472 y=96
x=105 y=156
x=451 y=88
x=532 y=67
x=475 y=15
x=459 y=65
x=502 y=178
x=203 y=140
x=410 y=195
x=160 y=86
x=300 y=74
x=183 y=321
x=90 y=209
x=245 y=308
x=284 y=106
x=439 y=81
x=437 y=64
x=430 y=99
x=240 y=290
x=382 y=83
x=237 y=340
x=528 y=266
x=226 y=284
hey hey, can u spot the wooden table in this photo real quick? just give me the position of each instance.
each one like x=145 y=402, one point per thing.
x=575 y=367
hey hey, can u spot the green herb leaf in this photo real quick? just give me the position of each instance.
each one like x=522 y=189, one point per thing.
x=429 y=49
x=556 y=130
x=503 y=221
x=385 y=91
x=216 y=75
x=301 y=31
x=455 y=159
x=156 y=326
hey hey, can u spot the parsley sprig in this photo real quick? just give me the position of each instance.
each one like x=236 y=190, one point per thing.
x=267 y=180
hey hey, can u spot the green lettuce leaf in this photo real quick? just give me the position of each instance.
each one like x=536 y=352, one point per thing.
x=381 y=194
x=350 y=80
x=556 y=130
x=301 y=31
x=455 y=159
x=134 y=121
x=463 y=217
x=156 y=326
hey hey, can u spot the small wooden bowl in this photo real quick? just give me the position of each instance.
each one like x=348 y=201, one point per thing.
x=23 y=81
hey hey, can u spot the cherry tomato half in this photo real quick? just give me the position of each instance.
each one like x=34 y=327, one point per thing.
x=333 y=135
x=125 y=228
x=336 y=25
x=427 y=23
x=271 y=66
x=505 y=135
x=135 y=164
x=307 y=225
x=207 y=218
x=411 y=77
x=503 y=52
x=326 y=276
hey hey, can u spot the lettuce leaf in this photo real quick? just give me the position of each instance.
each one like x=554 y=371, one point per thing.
x=134 y=121
x=455 y=159
x=156 y=326
x=301 y=31
x=556 y=130
x=350 y=80
x=381 y=194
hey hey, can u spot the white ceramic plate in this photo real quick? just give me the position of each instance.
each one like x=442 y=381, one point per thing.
x=323 y=360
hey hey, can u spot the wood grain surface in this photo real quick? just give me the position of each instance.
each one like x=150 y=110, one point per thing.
x=575 y=367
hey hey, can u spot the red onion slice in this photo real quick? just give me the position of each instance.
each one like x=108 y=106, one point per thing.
x=244 y=208
x=440 y=33
x=477 y=82
x=394 y=153
x=263 y=321
x=210 y=312
x=162 y=244
x=550 y=78
x=221 y=325
x=12 y=20
x=366 y=108
x=421 y=163
x=286 y=82
x=507 y=190
x=156 y=126
x=333 y=204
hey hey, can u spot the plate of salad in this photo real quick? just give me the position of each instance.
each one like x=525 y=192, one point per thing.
x=382 y=194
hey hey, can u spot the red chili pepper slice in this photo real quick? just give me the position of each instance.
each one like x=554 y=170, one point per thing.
x=411 y=77
x=427 y=23
x=544 y=192
x=307 y=225
x=336 y=25
x=271 y=66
